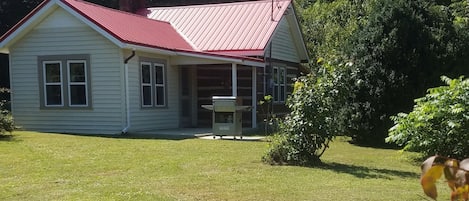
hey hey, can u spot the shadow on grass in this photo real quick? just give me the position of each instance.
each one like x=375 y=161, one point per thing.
x=7 y=138
x=378 y=145
x=140 y=136
x=367 y=172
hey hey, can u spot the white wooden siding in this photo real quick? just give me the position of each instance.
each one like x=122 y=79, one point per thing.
x=61 y=34
x=60 y=18
x=145 y=119
x=283 y=45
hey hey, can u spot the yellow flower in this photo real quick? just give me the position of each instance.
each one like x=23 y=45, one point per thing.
x=297 y=86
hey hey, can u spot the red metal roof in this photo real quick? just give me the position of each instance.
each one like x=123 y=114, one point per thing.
x=142 y=31
x=131 y=28
x=237 y=27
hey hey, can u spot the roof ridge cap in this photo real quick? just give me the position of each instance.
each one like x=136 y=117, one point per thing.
x=213 y=4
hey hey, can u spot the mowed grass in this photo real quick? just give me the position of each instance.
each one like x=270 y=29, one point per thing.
x=43 y=166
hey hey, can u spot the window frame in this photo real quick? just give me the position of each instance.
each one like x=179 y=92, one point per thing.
x=64 y=62
x=158 y=85
x=142 y=85
x=154 y=64
x=45 y=83
x=277 y=77
x=70 y=83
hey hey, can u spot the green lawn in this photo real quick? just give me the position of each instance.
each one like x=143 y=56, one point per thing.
x=39 y=166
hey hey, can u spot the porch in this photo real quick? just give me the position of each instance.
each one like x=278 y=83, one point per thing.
x=198 y=83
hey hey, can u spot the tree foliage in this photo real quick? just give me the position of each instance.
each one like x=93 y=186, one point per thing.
x=327 y=25
x=6 y=120
x=398 y=50
x=313 y=121
x=439 y=122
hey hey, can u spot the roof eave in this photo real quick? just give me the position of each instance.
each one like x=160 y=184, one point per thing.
x=202 y=55
x=149 y=49
x=225 y=58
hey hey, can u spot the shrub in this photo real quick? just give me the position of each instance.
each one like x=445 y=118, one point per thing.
x=6 y=119
x=278 y=150
x=439 y=122
x=313 y=121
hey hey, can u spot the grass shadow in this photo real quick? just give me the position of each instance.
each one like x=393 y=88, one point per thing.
x=141 y=136
x=377 y=145
x=8 y=138
x=366 y=172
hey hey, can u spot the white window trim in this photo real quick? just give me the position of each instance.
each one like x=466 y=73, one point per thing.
x=77 y=83
x=64 y=63
x=163 y=70
x=44 y=73
x=280 y=85
x=153 y=85
x=142 y=85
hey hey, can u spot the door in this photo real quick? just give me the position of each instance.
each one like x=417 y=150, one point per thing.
x=187 y=97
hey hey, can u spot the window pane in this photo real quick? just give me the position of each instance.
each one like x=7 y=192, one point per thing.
x=146 y=95
x=53 y=95
x=282 y=76
x=159 y=95
x=159 y=74
x=52 y=72
x=77 y=95
x=146 y=75
x=77 y=72
x=282 y=93
x=275 y=76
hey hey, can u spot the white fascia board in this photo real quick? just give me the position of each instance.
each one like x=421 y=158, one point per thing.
x=94 y=26
x=223 y=59
x=149 y=49
x=254 y=64
x=27 y=26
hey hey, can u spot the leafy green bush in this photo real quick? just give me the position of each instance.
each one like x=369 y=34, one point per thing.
x=313 y=121
x=439 y=122
x=6 y=120
x=278 y=150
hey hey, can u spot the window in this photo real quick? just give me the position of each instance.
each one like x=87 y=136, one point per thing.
x=77 y=83
x=146 y=85
x=153 y=84
x=53 y=83
x=279 y=80
x=64 y=81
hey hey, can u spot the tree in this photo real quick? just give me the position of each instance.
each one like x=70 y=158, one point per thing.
x=314 y=120
x=400 y=51
x=438 y=123
x=328 y=25
x=6 y=120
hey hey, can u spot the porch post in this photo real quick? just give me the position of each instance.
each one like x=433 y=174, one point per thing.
x=254 y=98
x=234 y=80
